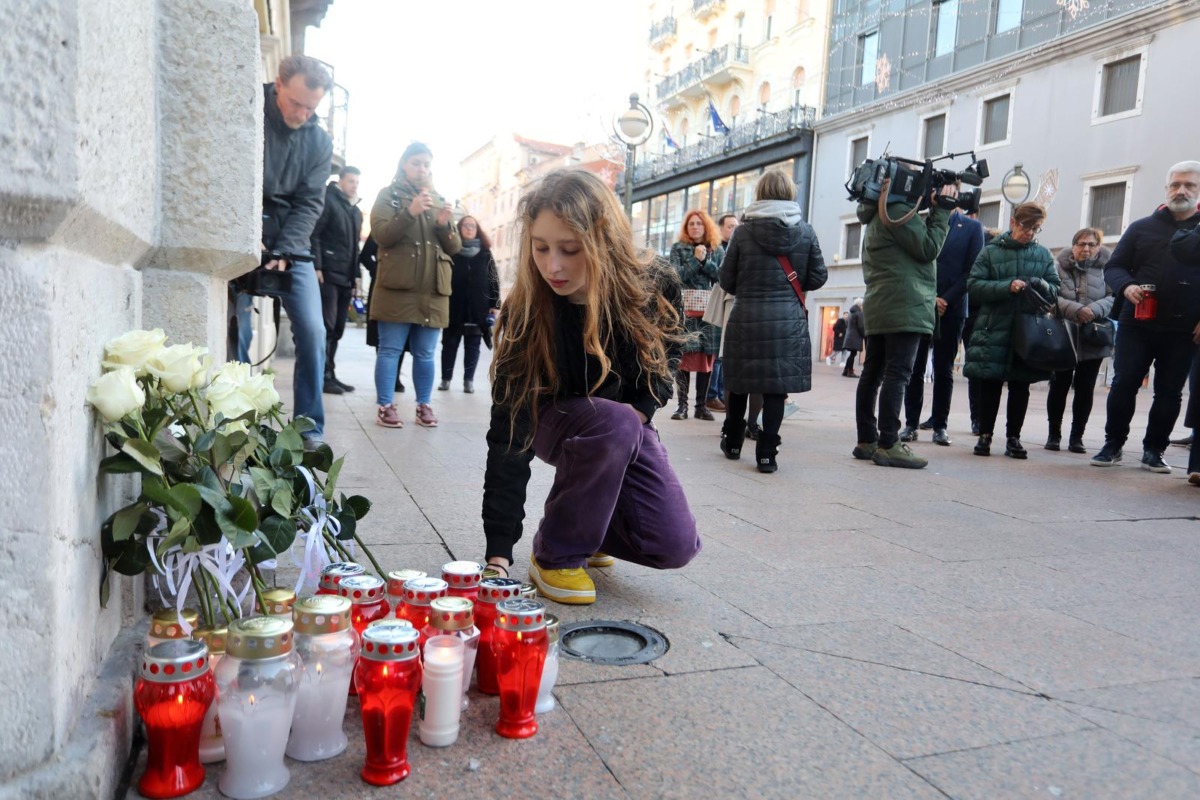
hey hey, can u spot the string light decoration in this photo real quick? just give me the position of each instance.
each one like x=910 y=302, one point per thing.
x=883 y=73
x=1074 y=7
x=1047 y=188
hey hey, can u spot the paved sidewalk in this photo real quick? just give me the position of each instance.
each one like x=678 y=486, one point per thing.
x=983 y=628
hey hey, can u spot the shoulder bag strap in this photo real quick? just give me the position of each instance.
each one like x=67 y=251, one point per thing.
x=792 y=279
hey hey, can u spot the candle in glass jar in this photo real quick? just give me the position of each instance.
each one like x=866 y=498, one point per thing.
x=388 y=678
x=519 y=644
x=212 y=744
x=418 y=594
x=258 y=682
x=279 y=603
x=328 y=647
x=395 y=586
x=172 y=696
x=455 y=616
x=545 y=698
x=491 y=592
x=462 y=578
x=442 y=689
x=368 y=602
x=332 y=574
x=166 y=625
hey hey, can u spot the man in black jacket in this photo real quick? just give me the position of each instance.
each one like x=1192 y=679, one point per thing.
x=1157 y=324
x=335 y=243
x=296 y=157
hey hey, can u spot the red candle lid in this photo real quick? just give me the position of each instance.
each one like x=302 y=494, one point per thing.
x=333 y=573
x=175 y=661
x=493 y=590
x=423 y=591
x=520 y=615
x=361 y=589
x=462 y=574
x=390 y=641
x=397 y=578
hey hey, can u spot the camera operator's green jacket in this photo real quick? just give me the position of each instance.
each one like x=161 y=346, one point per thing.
x=900 y=269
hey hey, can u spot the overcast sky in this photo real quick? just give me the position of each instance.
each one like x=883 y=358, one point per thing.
x=453 y=73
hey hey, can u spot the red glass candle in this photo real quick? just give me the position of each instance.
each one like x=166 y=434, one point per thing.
x=418 y=594
x=368 y=602
x=332 y=574
x=388 y=677
x=491 y=592
x=172 y=696
x=1148 y=308
x=463 y=578
x=519 y=643
x=395 y=586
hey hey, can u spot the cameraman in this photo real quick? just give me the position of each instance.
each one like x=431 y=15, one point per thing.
x=900 y=250
x=296 y=157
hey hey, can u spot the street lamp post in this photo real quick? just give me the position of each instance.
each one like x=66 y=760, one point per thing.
x=633 y=127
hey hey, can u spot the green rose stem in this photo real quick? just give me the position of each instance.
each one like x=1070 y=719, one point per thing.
x=201 y=583
x=259 y=584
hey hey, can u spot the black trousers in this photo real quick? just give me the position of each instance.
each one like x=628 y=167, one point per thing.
x=945 y=349
x=989 y=406
x=471 y=337
x=1083 y=379
x=683 y=381
x=1137 y=349
x=335 y=305
x=885 y=376
x=772 y=410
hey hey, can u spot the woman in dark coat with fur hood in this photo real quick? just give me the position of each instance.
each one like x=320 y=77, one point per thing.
x=767 y=348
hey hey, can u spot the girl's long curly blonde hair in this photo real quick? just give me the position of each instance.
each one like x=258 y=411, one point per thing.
x=622 y=295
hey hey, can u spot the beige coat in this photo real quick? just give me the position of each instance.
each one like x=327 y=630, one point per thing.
x=412 y=283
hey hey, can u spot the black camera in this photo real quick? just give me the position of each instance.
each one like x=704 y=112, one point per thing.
x=264 y=282
x=913 y=181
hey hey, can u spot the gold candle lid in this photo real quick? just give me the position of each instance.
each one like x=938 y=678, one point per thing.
x=279 y=602
x=396 y=579
x=165 y=623
x=321 y=613
x=452 y=614
x=215 y=638
x=257 y=638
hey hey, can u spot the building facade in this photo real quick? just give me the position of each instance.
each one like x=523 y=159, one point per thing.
x=736 y=85
x=1083 y=99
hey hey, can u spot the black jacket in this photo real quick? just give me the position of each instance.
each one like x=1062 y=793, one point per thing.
x=767 y=348
x=335 y=238
x=474 y=288
x=1144 y=256
x=962 y=246
x=507 y=474
x=295 y=169
x=856 y=330
x=839 y=333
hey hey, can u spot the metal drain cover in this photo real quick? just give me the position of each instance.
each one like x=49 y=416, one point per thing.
x=611 y=642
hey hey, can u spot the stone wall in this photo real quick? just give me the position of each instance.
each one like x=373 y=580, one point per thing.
x=130 y=171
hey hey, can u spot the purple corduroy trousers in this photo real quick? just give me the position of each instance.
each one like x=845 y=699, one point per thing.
x=614 y=490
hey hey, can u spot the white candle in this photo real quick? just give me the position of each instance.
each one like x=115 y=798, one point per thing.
x=321 y=707
x=212 y=744
x=442 y=687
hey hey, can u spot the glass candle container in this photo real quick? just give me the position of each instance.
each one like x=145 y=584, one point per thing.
x=327 y=646
x=212 y=744
x=387 y=690
x=368 y=602
x=279 y=603
x=332 y=574
x=395 y=586
x=462 y=578
x=520 y=645
x=529 y=591
x=491 y=592
x=172 y=695
x=441 y=690
x=455 y=616
x=545 y=699
x=1148 y=308
x=418 y=594
x=165 y=625
x=257 y=682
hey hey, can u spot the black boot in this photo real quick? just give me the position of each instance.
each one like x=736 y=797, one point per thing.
x=1054 y=440
x=1075 y=443
x=733 y=434
x=764 y=452
x=702 y=412
x=330 y=385
x=682 y=379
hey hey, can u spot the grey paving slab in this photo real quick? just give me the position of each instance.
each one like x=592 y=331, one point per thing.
x=1173 y=701
x=671 y=596
x=752 y=736
x=1169 y=624
x=826 y=548
x=1179 y=744
x=1049 y=651
x=1094 y=763
x=1149 y=573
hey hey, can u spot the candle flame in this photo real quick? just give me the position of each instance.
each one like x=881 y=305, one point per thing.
x=385 y=670
x=253 y=701
x=320 y=672
x=518 y=636
x=179 y=699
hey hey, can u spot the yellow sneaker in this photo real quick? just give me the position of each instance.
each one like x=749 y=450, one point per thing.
x=601 y=560
x=570 y=586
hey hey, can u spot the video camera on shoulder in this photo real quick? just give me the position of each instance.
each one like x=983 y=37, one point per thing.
x=912 y=181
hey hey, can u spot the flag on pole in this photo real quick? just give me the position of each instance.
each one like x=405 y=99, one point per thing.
x=718 y=124
x=667 y=135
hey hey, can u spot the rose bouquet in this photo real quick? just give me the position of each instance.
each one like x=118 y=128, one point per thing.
x=227 y=483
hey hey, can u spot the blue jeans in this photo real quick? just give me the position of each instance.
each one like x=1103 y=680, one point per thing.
x=1136 y=349
x=303 y=307
x=716 y=385
x=421 y=341
x=245 y=320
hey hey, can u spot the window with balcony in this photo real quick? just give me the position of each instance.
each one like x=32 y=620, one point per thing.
x=1008 y=14
x=1119 y=83
x=764 y=94
x=945 y=27
x=933 y=136
x=797 y=84
x=868 y=54
x=852 y=241
x=995 y=119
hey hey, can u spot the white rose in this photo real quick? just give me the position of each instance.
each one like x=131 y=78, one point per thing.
x=116 y=394
x=134 y=349
x=180 y=367
x=260 y=390
x=234 y=372
x=227 y=398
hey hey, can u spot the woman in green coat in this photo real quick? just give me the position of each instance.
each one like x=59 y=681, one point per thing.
x=1009 y=263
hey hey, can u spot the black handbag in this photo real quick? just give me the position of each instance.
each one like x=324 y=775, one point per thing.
x=1098 y=333
x=1040 y=337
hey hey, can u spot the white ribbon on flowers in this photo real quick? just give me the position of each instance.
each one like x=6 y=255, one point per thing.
x=219 y=560
x=315 y=556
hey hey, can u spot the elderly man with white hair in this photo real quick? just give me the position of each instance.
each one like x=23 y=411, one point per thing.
x=1159 y=320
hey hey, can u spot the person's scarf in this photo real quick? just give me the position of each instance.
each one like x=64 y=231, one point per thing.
x=470 y=248
x=786 y=211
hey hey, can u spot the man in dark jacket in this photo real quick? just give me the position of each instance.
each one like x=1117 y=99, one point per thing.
x=856 y=332
x=1162 y=336
x=900 y=272
x=335 y=254
x=962 y=246
x=296 y=157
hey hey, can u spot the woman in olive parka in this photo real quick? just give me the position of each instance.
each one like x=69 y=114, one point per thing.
x=1009 y=263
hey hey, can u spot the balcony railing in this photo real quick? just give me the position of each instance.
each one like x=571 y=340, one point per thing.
x=706 y=8
x=694 y=73
x=662 y=30
x=743 y=135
